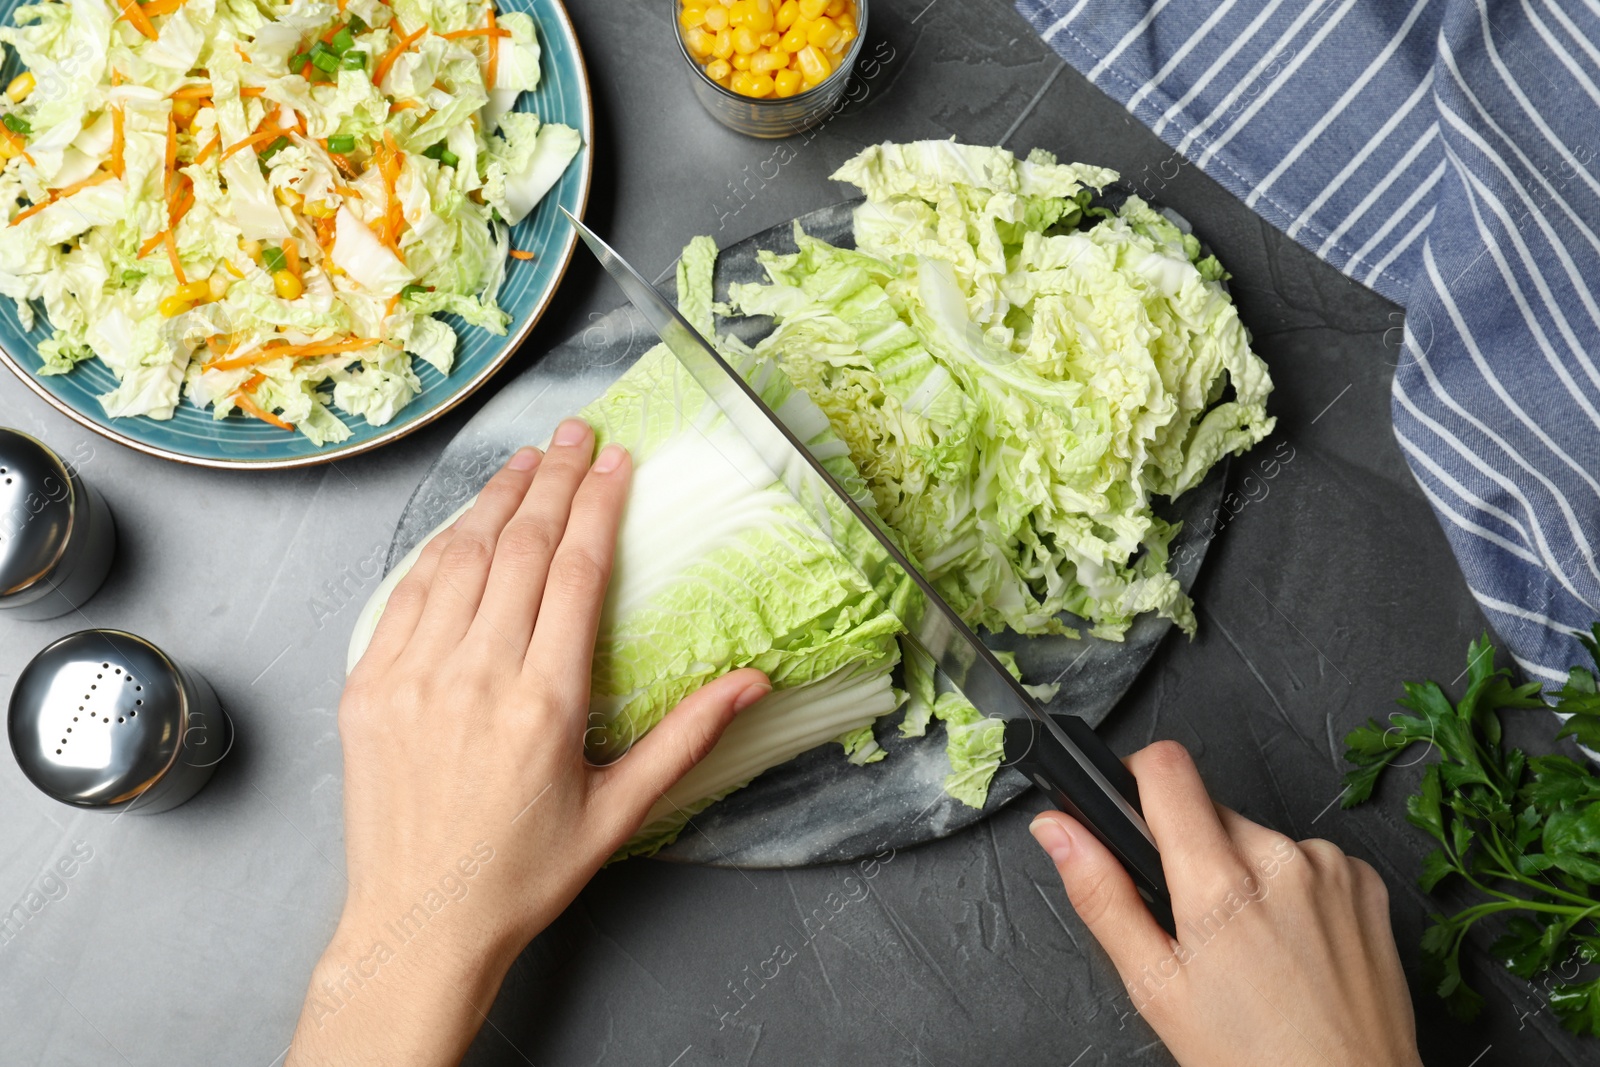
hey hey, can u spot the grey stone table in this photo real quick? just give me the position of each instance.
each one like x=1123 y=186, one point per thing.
x=186 y=938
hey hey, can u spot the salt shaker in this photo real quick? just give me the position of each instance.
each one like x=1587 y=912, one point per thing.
x=57 y=536
x=105 y=720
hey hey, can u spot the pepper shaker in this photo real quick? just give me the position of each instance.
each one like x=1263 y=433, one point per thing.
x=105 y=720
x=57 y=536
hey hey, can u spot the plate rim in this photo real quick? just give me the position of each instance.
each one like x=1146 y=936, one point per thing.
x=469 y=387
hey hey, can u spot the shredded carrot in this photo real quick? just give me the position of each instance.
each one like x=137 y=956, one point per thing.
x=481 y=31
x=519 y=253
x=405 y=105
x=150 y=245
x=251 y=91
x=160 y=7
x=209 y=147
x=181 y=187
x=270 y=118
x=300 y=123
x=394 y=302
x=266 y=355
x=172 y=254
x=242 y=53
x=141 y=22
x=345 y=190
x=341 y=6
x=182 y=207
x=223 y=343
x=325 y=233
x=347 y=168
x=291 y=256
x=493 y=69
x=265 y=135
x=251 y=407
x=116 y=77
x=400 y=46
x=117 y=166
x=61 y=194
x=199 y=89
x=250 y=383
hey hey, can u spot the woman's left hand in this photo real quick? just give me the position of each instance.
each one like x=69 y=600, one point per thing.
x=471 y=816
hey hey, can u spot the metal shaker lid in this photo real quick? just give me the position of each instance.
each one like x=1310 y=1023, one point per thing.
x=37 y=506
x=98 y=717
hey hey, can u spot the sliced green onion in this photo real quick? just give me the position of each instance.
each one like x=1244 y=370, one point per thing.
x=132 y=277
x=412 y=290
x=434 y=151
x=356 y=25
x=298 y=60
x=326 y=62
x=274 y=148
x=354 y=60
x=449 y=158
x=342 y=142
x=17 y=124
x=342 y=41
x=274 y=259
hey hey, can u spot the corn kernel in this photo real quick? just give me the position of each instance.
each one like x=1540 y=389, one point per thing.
x=764 y=17
x=320 y=209
x=185 y=108
x=837 y=7
x=786 y=83
x=764 y=62
x=217 y=286
x=759 y=86
x=21 y=86
x=194 y=292
x=287 y=285
x=739 y=14
x=814 y=66
x=741 y=82
x=716 y=18
x=770 y=39
x=8 y=148
x=740 y=61
x=794 y=40
x=699 y=42
x=812 y=9
x=691 y=17
x=718 y=69
x=788 y=11
x=745 y=40
x=290 y=198
x=173 y=306
x=823 y=33
x=724 y=46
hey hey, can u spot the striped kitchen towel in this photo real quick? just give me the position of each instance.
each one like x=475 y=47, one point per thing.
x=1440 y=152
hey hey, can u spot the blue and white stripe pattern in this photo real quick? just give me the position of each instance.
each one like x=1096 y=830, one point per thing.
x=1440 y=152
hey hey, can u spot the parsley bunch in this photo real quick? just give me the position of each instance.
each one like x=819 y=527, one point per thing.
x=1522 y=831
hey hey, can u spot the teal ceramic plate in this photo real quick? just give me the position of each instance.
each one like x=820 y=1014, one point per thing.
x=193 y=436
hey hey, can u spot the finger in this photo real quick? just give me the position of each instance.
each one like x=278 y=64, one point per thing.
x=1181 y=816
x=562 y=649
x=1249 y=837
x=405 y=604
x=680 y=740
x=528 y=542
x=1102 y=894
x=463 y=566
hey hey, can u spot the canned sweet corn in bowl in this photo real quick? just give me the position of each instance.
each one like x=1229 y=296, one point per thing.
x=769 y=68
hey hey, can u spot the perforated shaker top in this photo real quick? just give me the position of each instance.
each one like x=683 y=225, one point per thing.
x=36 y=509
x=97 y=717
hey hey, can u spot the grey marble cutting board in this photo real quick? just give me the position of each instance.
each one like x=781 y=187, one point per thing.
x=817 y=808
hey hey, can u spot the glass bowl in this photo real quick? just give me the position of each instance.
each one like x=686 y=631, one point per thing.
x=772 y=116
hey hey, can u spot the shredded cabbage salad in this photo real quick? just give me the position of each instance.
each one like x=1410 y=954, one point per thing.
x=263 y=206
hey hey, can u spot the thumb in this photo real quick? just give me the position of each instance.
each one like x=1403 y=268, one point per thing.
x=684 y=737
x=1102 y=894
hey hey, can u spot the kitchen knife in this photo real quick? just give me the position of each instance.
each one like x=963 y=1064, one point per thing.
x=1060 y=754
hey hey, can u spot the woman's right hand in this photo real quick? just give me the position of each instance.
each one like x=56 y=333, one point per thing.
x=1284 y=954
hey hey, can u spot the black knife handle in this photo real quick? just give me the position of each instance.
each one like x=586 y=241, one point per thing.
x=1041 y=758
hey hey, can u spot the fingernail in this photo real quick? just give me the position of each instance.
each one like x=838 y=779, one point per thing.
x=571 y=432
x=751 y=695
x=610 y=459
x=525 y=460
x=1052 y=838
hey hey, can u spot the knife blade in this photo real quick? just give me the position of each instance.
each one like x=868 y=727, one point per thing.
x=1061 y=754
